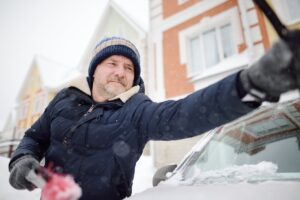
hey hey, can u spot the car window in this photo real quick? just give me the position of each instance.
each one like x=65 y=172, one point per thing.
x=268 y=137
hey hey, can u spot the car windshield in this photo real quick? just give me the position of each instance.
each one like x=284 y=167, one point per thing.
x=261 y=146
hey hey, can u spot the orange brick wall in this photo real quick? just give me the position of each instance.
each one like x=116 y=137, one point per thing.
x=176 y=82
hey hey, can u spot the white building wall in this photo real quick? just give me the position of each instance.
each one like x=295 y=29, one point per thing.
x=155 y=52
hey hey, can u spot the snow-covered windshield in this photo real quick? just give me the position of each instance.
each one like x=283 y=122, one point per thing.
x=264 y=145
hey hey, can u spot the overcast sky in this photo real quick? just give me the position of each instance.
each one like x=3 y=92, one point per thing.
x=56 y=29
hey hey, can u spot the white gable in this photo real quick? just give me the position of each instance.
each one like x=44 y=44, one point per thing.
x=114 y=22
x=53 y=74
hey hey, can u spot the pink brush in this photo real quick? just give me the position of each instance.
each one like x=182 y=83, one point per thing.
x=54 y=186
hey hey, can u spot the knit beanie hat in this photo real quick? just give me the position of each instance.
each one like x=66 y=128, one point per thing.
x=115 y=46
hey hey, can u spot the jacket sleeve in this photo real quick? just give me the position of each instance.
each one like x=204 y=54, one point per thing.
x=200 y=111
x=36 y=139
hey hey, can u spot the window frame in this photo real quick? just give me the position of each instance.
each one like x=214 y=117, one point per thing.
x=220 y=49
x=230 y=16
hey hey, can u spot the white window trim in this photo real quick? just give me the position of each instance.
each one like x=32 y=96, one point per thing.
x=233 y=63
x=179 y=2
x=189 y=13
x=281 y=9
x=230 y=16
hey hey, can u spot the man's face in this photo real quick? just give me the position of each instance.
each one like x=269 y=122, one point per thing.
x=113 y=76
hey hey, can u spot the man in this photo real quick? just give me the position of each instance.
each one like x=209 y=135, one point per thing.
x=96 y=129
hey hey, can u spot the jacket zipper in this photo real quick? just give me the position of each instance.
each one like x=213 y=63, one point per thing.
x=66 y=138
x=90 y=110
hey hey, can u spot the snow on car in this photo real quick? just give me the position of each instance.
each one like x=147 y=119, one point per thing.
x=254 y=157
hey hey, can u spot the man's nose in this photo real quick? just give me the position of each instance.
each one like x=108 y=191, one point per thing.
x=120 y=71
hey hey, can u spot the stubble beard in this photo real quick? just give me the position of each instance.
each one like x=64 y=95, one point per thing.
x=109 y=91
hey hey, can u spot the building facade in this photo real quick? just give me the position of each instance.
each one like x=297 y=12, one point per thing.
x=194 y=43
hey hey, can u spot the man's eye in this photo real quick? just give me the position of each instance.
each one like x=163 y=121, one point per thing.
x=111 y=64
x=129 y=68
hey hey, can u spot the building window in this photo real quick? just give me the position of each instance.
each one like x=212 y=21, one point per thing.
x=196 y=60
x=22 y=110
x=288 y=10
x=39 y=103
x=227 y=40
x=210 y=47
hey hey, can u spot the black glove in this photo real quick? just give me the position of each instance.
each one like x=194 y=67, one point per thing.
x=19 y=169
x=278 y=71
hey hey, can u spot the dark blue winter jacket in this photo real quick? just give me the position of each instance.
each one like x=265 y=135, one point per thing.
x=100 y=143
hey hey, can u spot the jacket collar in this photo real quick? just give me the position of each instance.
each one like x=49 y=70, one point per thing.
x=82 y=84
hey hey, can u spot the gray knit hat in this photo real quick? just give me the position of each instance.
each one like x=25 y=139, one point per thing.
x=115 y=46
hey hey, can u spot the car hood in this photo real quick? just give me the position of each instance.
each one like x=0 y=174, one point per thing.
x=269 y=190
